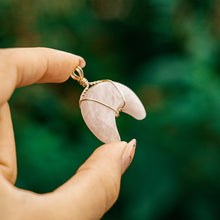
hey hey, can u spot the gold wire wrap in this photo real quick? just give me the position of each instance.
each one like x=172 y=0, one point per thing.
x=85 y=83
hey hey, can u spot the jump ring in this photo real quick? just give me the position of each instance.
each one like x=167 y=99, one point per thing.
x=80 y=74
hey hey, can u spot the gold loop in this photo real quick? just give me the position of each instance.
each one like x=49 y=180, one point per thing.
x=80 y=77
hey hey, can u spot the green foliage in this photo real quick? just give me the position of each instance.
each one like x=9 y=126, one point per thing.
x=166 y=51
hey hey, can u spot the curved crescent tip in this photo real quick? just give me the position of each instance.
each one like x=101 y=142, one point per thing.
x=133 y=105
x=142 y=114
x=101 y=121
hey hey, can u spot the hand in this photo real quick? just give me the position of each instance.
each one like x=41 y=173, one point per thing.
x=95 y=186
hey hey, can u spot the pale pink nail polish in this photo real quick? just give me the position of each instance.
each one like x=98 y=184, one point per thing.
x=82 y=62
x=128 y=155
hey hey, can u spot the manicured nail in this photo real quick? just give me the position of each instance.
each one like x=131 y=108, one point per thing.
x=128 y=155
x=82 y=62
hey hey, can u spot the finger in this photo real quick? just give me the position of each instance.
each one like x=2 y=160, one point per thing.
x=89 y=193
x=25 y=66
x=21 y=67
x=8 y=163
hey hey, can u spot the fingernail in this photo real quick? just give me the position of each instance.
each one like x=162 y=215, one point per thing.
x=82 y=62
x=128 y=155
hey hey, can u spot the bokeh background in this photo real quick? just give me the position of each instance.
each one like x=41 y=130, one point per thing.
x=168 y=52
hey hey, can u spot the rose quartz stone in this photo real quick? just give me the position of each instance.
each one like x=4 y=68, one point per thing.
x=101 y=119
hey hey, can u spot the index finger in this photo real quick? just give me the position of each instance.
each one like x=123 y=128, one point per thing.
x=25 y=66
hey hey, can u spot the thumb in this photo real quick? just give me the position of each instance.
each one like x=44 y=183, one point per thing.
x=92 y=190
x=96 y=184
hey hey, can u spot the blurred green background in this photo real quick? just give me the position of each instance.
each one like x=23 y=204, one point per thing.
x=168 y=52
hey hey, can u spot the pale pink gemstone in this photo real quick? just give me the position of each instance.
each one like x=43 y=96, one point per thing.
x=101 y=119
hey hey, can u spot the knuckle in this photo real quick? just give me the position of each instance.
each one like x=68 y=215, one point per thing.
x=9 y=173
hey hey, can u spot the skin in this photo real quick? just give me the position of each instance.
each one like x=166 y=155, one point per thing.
x=95 y=186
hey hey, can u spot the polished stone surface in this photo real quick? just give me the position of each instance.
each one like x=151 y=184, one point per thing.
x=101 y=119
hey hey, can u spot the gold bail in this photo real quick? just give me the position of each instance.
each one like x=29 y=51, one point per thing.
x=80 y=76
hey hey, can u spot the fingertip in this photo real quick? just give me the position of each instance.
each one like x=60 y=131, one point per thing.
x=116 y=148
x=82 y=62
x=124 y=142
